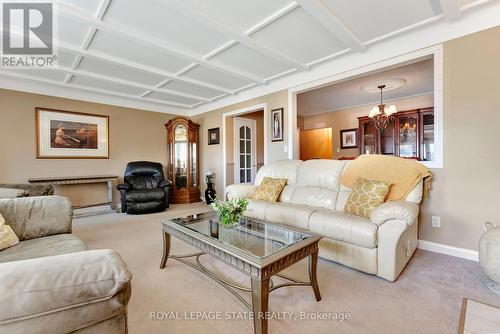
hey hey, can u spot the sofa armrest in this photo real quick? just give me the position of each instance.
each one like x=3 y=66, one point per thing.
x=31 y=189
x=165 y=183
x=240 y=191
x=123 y=186
x=404 y=211
x=41 y=287
x=36 y=217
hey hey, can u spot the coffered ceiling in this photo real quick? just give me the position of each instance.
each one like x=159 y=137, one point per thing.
x=185 y=56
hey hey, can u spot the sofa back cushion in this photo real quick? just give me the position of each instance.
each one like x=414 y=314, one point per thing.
x=281 y=169
x=318 y=183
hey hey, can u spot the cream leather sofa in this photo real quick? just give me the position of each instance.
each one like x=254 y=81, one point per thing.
x=314 y=200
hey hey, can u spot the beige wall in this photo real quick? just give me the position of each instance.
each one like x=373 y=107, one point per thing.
x=134 y=135
x=211 y=155
x=258 y=117
x=348 y=118
x=465 y=193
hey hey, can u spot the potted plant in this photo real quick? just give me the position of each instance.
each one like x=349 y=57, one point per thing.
x=230 y=211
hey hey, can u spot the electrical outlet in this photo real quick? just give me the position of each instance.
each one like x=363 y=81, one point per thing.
x=436 y=221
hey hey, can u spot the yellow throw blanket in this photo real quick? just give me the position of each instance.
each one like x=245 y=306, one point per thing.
x=402 y=174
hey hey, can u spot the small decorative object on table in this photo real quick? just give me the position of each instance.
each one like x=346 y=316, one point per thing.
x=230 y=211
x=210 y=191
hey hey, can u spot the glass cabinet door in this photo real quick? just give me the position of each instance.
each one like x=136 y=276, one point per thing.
x=387 y=139
x=180 y=156
x=369 y=138
x=408 y=139
x=193 y=168
x=427 y=128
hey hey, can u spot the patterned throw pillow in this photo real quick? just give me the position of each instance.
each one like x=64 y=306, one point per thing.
x=7 y=237
x=366 y=195
x=270 y=189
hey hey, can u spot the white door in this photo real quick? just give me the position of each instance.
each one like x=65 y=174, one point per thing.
x=245 y=144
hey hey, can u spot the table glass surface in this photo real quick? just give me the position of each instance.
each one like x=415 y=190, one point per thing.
x=250 y=236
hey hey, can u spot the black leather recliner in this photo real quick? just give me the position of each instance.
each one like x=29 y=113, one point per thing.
x=145 y=189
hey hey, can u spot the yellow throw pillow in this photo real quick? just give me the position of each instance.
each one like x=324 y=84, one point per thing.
x=366 y=195
x=7 y=237
x=270 y=189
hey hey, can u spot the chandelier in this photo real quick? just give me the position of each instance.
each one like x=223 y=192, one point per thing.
x=382 y=115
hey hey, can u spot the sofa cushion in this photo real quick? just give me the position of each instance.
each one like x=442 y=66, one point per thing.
x=269 y=189
x=282 y=169
x=344 y=227
x=42 y=247
x=318 y=183
x=290 y=214
x=7 y=236
x=145 y=195
x=315 y=196
x=320 y=173
x=12 y=193
x=257 y=209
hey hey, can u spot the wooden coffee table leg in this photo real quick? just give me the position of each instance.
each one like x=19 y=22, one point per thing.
x=260 y=300
x=313 y=264
x=166 y=249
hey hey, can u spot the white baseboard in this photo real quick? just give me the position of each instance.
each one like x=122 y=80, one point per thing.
x=463 y=253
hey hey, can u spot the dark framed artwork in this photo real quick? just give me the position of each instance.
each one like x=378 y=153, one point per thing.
x=277 y=124
x=349 y=138
x=64 y=134
x=213 y=136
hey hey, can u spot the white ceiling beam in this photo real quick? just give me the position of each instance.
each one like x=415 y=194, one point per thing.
x=325 y=15
x=152 y=42
x=140 y=67
x=450 y=8
x=103 y=6
x=92 y=89
x=133 y=65
x=130 y=83
x=242 y=38
x=271 y=18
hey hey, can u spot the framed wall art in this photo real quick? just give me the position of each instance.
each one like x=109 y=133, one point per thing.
x=71 y=135
x=349 y=138
x=277 y=124
x=213 y=136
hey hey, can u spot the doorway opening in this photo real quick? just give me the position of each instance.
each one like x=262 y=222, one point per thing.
x=244 y=145
x=413 y=98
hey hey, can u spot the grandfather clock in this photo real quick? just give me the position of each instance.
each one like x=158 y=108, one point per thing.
x=183 y=162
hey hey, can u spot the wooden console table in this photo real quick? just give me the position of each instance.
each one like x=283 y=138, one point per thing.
x=89 y=179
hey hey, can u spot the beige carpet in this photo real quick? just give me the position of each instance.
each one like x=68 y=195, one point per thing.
x=427 y=297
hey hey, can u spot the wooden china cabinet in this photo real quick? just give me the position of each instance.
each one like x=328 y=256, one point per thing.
x=409 y=135
x=183 y=162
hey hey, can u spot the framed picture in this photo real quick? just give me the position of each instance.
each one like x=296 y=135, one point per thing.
x=349 y=138
x=71 y=135
x=213 y=136
x=277 y=124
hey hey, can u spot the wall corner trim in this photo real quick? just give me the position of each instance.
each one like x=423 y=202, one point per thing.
x=463 y=253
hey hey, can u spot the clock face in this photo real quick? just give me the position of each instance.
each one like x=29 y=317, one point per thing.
x=180 y=133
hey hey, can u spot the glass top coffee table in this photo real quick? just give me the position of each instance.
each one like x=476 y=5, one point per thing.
x=260 y=250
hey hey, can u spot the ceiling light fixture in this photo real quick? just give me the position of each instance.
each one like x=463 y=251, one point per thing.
x=382 y=115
